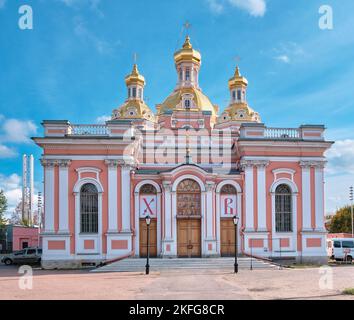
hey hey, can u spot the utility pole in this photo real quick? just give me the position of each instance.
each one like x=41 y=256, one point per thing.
x=351 y=197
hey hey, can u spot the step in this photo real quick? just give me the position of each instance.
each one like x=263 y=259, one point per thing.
x=136 y=265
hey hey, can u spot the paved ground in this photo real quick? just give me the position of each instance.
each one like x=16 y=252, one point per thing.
x=180 y=284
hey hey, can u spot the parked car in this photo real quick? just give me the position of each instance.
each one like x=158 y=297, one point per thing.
x=25 y=256
x=341 y=249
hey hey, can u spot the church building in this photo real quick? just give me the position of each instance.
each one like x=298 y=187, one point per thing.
x=191 y=168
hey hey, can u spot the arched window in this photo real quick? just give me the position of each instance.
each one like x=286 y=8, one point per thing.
x=89 y=209
x=148 y=189
x=228 y=189
x=283 y=209
x=188 y=198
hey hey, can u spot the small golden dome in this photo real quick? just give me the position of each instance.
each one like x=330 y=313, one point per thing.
x=135 y=77
x=187 y=53
x=237 y=80
x=133 y=109
x=240 y=112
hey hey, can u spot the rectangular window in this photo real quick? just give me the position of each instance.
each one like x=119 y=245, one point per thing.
x=188 y=74
x=233 y=95
x=239 y=95
x=134 y=92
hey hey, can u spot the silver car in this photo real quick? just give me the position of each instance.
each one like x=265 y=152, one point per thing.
x=25 y=256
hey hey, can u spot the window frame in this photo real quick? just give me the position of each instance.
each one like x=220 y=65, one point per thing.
x=284 y=210
x=91 y=214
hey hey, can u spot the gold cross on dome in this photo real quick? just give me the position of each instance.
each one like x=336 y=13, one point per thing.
x=237 y=59
x=135 y=57
x=187 y=25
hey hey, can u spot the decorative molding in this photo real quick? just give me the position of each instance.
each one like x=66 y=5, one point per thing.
x=167 y=186
x=113 y=163
x=54 y=162
x=253 y=163
x=312 y=164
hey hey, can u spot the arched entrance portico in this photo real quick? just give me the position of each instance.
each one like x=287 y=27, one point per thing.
x=188 y=219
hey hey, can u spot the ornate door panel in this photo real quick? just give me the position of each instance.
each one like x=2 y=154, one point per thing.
x=189 y=238
x=227 y=237
x=143 y=238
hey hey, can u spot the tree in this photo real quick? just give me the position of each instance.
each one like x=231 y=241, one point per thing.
x=3 y=207
x=341 y=221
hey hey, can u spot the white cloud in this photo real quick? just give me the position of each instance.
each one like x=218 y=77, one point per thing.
x=283 y=58
x=341 y=157
x=102 y=46
x=256 y=8
x=103 y=119
x=2 y=3
x=12 y=189
x=6 y=152
x=17 y=131
x=215 y=6
x=91 y=4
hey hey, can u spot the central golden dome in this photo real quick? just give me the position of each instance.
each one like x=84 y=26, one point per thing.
x=200 y=101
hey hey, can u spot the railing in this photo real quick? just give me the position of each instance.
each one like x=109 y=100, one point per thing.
x=88 y=130
x=282 y=133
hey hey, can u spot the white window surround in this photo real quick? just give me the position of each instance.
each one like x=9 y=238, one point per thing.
x=80 y=238
x=137 y=213
x=218 y=210
x=291 y=235
x=291 y=172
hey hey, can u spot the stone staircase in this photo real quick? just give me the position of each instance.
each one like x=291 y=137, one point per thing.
x=162 y=265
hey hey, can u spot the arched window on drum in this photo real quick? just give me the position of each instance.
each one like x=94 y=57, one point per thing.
x=283 y=209
x=88 y=208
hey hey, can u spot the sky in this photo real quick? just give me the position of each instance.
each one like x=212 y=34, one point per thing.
x=72 y=64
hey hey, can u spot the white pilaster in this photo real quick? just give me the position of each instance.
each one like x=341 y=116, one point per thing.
x=112 y=196
x=306 y=196
x=126 y=198
x=209 y=211
x=261 y=193
x=249 y=214
x=168 y=213
x=319 y=203
x=64 y=196
x=48 y=195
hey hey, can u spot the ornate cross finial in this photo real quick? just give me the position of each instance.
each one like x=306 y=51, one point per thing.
x=135 y=57
x=187 y=26
x=237 y=59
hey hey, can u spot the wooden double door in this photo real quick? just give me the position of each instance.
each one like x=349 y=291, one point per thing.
x=189 y=238
x=152 y=238
x=227 y=237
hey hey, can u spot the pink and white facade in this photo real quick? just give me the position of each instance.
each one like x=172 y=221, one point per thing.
x=95 y=177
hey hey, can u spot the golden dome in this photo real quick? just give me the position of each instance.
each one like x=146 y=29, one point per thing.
x=187 y=53
x=237 y=80
x=135 y=77
x=200 y=102
x=241 y=112
x=133 y=109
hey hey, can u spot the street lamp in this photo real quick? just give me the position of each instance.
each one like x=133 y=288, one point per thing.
x=236 y=219
x=351 y=197
x=148 y=221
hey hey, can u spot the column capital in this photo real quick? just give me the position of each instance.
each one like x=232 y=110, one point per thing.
x=306 y=164
x=113 y=163
x=253 y=163
x=167 y=186
x=64 y=163
x=210 y=186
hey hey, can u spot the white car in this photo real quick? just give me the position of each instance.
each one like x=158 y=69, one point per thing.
x=341 y=249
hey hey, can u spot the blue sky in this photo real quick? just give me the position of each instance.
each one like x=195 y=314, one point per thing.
x=73 y=63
